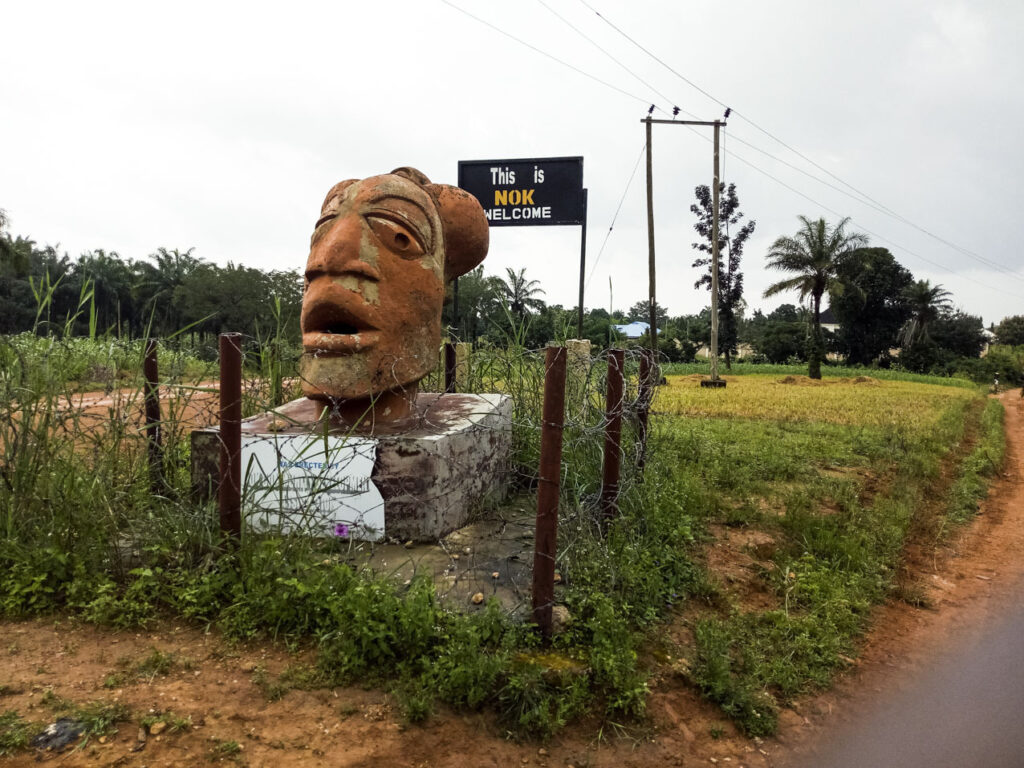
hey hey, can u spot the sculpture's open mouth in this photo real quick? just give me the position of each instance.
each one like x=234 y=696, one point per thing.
x=331 y=327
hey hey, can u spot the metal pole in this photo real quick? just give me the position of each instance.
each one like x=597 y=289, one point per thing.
x=550 y=470
x=229 y=492
x=449 y=367
x=455 y=308
x=150 y=373
x=612 y=435
x=653 y=332
x=714 y=266
x=583 y=266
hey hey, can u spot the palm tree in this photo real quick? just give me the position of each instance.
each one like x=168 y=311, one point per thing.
x=927 y=303
x=111 y=280
x=519 y=293
x=815 y=255
x=478 y=298
x=156 y=284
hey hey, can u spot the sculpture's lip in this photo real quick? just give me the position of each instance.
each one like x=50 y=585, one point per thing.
x=338 y=326
x=339 y=343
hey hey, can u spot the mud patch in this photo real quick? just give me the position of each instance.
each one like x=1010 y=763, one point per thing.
x=739 y=557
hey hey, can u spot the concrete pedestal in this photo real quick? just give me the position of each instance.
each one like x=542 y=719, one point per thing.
x=433 y=469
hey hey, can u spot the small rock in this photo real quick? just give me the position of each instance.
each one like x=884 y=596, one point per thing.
x=560 y=619
x=157 y=728
x=478 y=598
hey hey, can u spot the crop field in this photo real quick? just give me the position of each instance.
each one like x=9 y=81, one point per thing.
x=770 y=518
x=858 y=401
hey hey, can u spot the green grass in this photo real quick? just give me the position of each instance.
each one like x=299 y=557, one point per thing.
x=827 y=371
x=837 y=543
x=836 y=488
x=15 y=732
x=980 y=465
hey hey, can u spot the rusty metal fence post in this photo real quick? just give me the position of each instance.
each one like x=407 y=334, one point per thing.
x=151 y=396
x=645 y=391
x=612 y=435
x=550 y=471
x=229 y=492
x=449 y=367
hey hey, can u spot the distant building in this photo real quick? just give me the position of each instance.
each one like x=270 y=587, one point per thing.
x=990 y=339
x=828 y=320
x=632 y=330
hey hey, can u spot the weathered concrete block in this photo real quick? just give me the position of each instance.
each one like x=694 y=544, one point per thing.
x=434 y=469
x=578 y=357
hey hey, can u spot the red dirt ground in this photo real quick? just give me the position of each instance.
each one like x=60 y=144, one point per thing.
x=967 y=581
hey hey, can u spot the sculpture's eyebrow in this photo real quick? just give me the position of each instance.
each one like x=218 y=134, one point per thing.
x=401 y=205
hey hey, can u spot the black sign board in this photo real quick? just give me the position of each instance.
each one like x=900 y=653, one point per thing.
x=545 y=190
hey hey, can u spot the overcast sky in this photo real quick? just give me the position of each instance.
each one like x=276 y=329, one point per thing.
x=220 y=126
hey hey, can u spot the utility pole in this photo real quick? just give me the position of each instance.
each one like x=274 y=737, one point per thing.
x=652 y=331
x=715 y=381
x=716 y=124
x=583 y=266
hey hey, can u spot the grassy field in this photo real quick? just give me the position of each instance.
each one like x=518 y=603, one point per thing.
x=813 y=487
x=769 y=519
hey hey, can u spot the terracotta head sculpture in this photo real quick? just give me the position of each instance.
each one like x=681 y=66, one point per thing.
x=380 y=256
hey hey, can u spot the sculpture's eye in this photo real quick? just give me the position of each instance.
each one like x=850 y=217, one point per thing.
x=396 y=236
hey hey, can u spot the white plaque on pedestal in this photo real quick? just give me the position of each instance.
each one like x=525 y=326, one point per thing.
x=319 y=485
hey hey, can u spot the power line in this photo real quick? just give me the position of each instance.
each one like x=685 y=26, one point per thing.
x=885 y=211
x=582 y=34
x=899 y=247
x=864 y=199
x=547 y=55
x=881 y=207
x=634 y=42
x=616 y=215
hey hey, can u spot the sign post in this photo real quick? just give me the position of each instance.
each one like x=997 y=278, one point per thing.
x=531 y=192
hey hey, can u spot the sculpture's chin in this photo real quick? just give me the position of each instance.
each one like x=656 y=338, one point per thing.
x=358 y=375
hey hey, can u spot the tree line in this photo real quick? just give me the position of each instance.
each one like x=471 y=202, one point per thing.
x=168 y=292
x=884 y=316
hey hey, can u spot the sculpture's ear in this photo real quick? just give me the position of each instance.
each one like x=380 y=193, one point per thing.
x=466 y=232
x=334 y=195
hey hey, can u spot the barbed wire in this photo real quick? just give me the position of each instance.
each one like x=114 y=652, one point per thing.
x=485 y=549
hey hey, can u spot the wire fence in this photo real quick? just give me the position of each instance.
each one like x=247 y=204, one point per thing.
x=122 y=471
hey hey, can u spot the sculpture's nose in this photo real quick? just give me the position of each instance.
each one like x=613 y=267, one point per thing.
x=340 y=251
